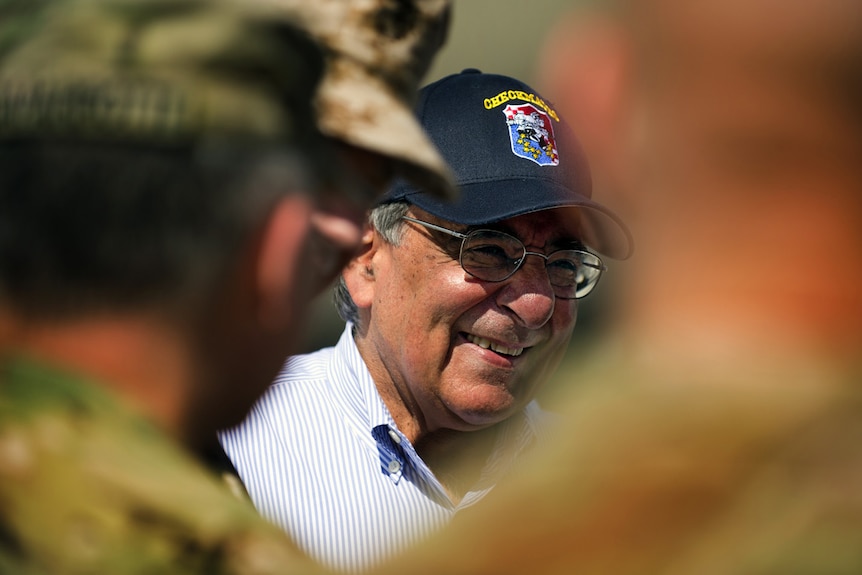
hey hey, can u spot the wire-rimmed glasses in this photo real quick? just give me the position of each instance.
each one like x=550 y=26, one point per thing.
x=493 y=256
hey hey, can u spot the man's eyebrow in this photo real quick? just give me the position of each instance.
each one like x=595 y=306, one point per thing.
x=564 y=242
x=570 y=243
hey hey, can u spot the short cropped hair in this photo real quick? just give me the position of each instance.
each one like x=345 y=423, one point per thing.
x=89 y=227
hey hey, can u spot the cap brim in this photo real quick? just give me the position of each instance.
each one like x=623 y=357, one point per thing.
x=360 y=109
x=486 y=202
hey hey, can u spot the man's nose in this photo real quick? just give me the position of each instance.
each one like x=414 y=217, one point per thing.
x=528 y=293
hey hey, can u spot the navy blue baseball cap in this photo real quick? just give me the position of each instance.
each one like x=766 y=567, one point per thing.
x=511 y=154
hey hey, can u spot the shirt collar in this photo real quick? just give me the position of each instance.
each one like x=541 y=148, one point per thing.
x=366 y=410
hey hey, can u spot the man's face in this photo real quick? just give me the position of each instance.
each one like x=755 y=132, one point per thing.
x=458 y=352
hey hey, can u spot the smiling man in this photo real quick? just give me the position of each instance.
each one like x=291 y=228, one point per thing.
x=456 y=314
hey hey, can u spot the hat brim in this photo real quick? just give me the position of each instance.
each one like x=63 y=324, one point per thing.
x=487 y=202
x=357 y=107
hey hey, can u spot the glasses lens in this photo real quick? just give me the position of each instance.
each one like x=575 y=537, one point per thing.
x=490 y=255
x=573 y=273
x=494 y=256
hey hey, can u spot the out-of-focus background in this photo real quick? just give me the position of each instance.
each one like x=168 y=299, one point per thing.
x=502 y=37
x=499 y=36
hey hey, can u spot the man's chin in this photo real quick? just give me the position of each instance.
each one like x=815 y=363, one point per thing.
x=485 y=417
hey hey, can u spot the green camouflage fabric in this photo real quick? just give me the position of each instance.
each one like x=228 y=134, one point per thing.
x=731 y=467
x=87 y=486
x=154 y=70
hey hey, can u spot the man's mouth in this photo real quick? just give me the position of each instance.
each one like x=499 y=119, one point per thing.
x=488 y=344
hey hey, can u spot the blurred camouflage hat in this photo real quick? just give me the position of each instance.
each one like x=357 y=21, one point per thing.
x=160 y=71
x=378 y=52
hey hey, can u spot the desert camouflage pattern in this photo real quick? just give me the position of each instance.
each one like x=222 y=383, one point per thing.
x=378 y=52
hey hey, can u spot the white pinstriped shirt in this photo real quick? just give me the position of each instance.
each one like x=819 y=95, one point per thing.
x=321 y=456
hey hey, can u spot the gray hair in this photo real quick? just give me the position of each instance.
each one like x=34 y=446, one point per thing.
x=387 y=220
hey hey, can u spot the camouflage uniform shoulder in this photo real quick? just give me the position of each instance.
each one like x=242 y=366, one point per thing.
x=86 y=485
x=662 y=468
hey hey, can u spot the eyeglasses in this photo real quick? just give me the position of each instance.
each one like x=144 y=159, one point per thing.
x=494 y=256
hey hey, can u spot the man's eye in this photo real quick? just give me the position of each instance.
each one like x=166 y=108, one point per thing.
x=565 y=265
x=487 y=255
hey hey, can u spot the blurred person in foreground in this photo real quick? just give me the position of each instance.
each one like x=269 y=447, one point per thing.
x=168 y=208
x=722 y=433
x=456 y=314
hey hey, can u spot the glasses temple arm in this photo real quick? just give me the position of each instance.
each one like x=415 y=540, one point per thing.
x=458 y=235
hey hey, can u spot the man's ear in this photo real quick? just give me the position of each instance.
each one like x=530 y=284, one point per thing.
x=279 y=282
x=359 y=272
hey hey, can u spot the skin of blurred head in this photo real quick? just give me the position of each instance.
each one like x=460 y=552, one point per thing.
x=730 y=131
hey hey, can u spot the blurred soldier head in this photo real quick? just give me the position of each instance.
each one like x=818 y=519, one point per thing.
x=166 y=198
x=733 y=130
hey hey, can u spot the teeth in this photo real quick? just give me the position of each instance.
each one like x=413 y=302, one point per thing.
x=487 y=344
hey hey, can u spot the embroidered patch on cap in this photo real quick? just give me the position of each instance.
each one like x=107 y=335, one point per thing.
x=532 y=134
